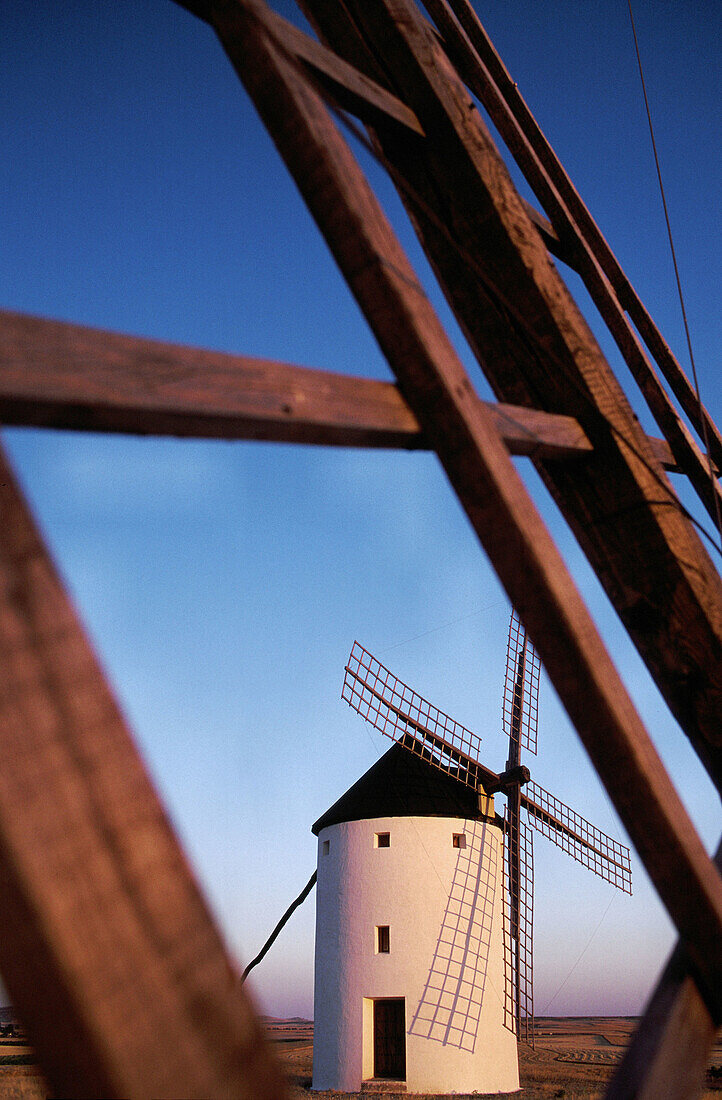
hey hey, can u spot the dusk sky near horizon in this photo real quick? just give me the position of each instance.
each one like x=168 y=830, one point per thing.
x=223 y=583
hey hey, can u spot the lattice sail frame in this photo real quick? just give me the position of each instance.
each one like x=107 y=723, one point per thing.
x=400 y=713
x=519 y=1017
x=576 y=836
x=520 y=701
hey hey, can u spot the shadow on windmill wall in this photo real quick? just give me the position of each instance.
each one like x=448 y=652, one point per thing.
x=450 y=1006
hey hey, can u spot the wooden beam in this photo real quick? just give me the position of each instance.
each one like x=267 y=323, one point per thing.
x=498 y=506
x=57 y=375
x=367 y=99
x=501 y=96
x=357 y=93
x=668 y=1055
x=549 y=235
x=669 y=1051
x=350 y=89
x=527 y=152
x=537 y=350
x=531 y=433
x=107 y=949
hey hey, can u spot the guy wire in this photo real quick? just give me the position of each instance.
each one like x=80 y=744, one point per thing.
x=705 y=429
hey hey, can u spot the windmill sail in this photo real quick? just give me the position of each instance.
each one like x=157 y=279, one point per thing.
x=403 y=715
x=521 y=690
x=578 y=837
x=519 y=930
x=400 y=713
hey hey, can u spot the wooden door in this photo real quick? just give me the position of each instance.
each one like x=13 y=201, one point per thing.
x=390 y=1038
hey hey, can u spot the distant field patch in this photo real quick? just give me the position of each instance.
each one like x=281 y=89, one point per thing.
x=590 y=1056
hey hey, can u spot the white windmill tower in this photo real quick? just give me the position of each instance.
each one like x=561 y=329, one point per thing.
x=423 y=969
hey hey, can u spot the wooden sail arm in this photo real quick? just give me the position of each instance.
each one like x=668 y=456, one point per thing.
x=613 y=505
x=520 y=699
x=420 y=740
x=108 y=948
x=580 y=245
x=669 y=1052
x=384 y=710
x=478 y=466
x=578 y=837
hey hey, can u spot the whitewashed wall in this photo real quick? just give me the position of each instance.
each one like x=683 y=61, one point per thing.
x=443 y=906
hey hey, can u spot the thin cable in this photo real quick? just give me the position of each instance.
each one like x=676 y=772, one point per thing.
x=705 y=428
x=552 y=999
x=442 y=626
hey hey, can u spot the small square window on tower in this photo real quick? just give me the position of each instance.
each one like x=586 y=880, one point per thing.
x=382 y=939
x=458 y=840
x=326 y=845
x=382 y=840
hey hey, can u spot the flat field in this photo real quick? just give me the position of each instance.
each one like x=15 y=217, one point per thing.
x=572 y=1059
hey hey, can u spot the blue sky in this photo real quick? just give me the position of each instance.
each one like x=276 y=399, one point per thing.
x=224 y=583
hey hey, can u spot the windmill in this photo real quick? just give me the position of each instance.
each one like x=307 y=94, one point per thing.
x=406 y=717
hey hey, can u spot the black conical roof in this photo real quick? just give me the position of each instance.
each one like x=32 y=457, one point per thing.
x=401 y=784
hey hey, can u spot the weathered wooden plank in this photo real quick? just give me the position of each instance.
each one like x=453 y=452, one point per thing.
x=526 y=151
x=668 y=1054
x=663 y=453
x=459 y=428
x=351 y=89
x=54 y=374
x=549 y=235
x=537 y=350
x=365 y=98
x=530 y=432
x=669 y=1051
x=57 y=375
x=629 y=299
x=107 y=948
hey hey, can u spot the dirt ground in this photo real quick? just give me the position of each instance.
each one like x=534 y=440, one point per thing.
x=572 y=1060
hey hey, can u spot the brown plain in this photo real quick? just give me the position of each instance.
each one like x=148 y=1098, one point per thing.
x=573 y=1059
